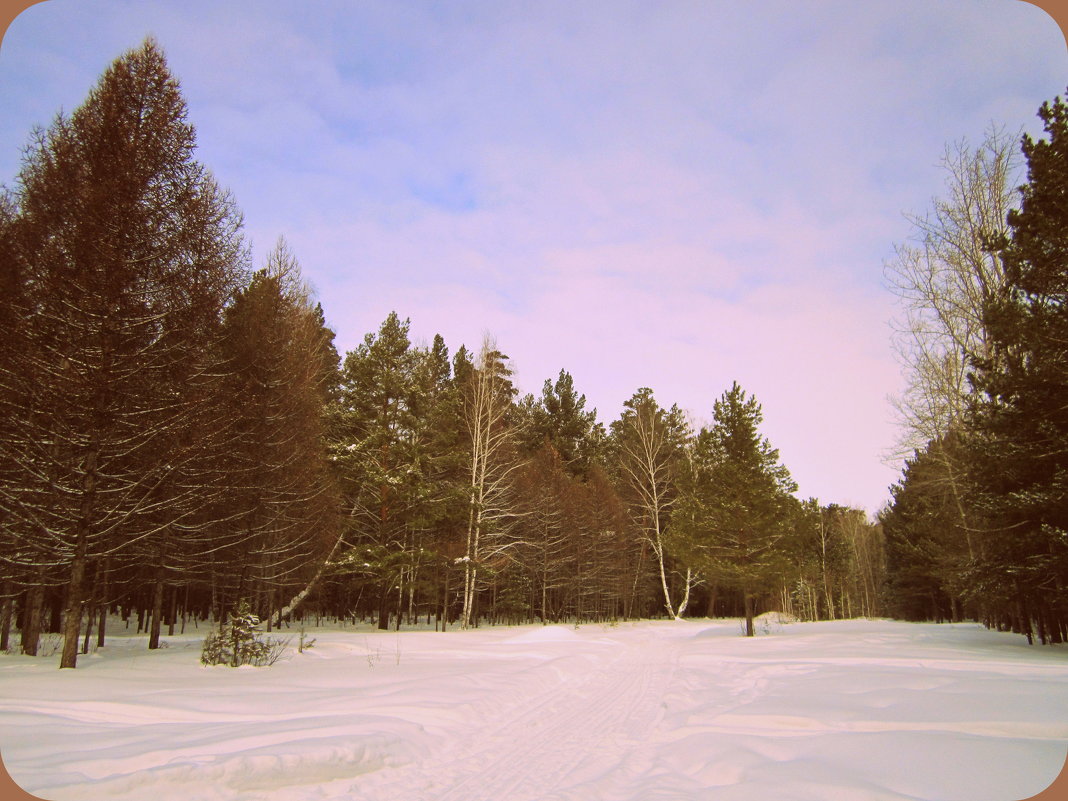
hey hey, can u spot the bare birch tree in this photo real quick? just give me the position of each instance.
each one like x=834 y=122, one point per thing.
x=648 y=443
x=945 y=275
x=487 y=403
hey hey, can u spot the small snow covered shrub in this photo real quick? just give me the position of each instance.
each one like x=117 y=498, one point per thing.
x=240 y=642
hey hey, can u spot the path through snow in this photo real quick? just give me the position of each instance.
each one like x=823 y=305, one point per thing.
x=653 y=711
x=584 y=730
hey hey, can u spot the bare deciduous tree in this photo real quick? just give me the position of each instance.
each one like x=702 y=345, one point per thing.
x=944 y=277
x=648 y=443
x=488 y=396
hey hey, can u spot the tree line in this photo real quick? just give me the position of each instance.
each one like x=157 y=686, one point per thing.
x=978 y=524
x=181 y=438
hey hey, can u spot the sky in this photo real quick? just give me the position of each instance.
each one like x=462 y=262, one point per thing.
x=676 y=194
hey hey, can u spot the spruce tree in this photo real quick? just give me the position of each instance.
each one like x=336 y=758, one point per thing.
x=926 y=552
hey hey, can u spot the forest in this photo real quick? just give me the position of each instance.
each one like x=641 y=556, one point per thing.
x=181 y=439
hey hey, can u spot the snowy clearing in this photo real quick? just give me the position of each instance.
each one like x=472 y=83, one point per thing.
x=638 y=711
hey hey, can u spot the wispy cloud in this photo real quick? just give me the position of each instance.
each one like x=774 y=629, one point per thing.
x=675 y=194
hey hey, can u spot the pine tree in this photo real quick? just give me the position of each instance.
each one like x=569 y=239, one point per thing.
x=376 y=453
x=559 y=418
x=398 y=452
x=737 y=504
x=1020 y=428
x=925 y=566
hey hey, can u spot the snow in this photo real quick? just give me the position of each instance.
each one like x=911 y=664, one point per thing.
x=547 y=634
x=634 y=712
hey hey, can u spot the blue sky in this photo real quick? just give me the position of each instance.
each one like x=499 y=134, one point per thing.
x=674 y=194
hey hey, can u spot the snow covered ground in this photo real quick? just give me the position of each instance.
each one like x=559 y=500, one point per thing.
x=640 y=711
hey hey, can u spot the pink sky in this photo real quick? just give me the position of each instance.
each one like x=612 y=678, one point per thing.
x=673 y=194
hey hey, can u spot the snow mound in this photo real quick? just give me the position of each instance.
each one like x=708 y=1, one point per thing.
x=546 y=634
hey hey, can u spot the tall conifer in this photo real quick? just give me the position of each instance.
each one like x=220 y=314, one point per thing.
x=1020 y=429
x=736 y=507
x=126 y=251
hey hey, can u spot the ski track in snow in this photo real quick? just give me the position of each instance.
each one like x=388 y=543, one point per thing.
x=579 y=728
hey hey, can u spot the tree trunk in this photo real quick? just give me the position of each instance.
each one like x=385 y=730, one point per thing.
x=185 y=609
x=383 y=607
x=5 y=618
x=72 y=621
x=55 y=609
x=544 y=591
x=632 y=599
x=31 y=629
x=157 y=612
x=445 y=600
x=748 y=614
x=1024 y=616
x=686 y=596
x=470 y=576
x=102 y=624
x=1054 y=629
x=89 y=618
x=172 y=616
x=658 y=549
x=297 y=599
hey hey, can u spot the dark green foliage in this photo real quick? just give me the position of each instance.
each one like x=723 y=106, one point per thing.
x=398 y=451
x=926 y=549
x=979 y=522
x=737 y=507
x=559 y=418
x=1019 y=429
x=176 y=433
